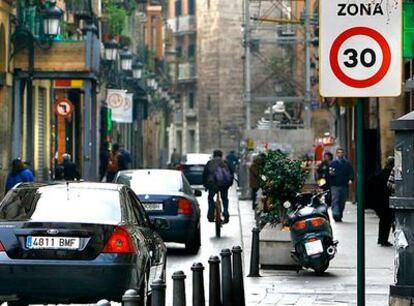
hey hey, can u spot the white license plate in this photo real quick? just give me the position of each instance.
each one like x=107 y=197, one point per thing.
x=314 y=247
x=53 y=243
x=153 y=206
x=196 y=168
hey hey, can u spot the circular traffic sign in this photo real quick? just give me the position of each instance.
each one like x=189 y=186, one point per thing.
x=64 y=108
x=115 y=100
x=360 y=83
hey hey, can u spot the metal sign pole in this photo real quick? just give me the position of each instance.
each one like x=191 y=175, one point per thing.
x=360 y=201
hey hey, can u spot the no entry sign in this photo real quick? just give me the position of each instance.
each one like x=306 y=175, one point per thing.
x=360 y=48
x=64 y=108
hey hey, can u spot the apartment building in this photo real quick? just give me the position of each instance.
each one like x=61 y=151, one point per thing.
x=182 y=51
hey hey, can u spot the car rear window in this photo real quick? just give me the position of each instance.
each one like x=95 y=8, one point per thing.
x=196 y=159
x=152 y=182
x=80 y=205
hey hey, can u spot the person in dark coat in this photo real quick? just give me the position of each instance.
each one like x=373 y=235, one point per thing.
x=18 y=174
x=341 y=175
x=254 y=179
x=382 y=203
x=70 y=171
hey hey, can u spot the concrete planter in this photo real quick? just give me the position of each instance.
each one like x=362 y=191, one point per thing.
x=275 y=246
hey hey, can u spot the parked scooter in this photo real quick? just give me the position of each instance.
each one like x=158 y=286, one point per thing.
x=311 y=231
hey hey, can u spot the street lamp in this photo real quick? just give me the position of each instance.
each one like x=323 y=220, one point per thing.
x=151 y=81
x=155 y=85
x=52 y=19
x=137 y=69
x=110 y=50
x=126 y=60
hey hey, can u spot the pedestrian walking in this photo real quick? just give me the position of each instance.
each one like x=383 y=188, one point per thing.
x=254 y=179
x=218 y=176
x=116 y=163
x=175 y=159
x=18 y=174
x=126 y=156
x=232 y=160
x=341 y=175
x=322 y=173
x=70 y=170
x=382 y=202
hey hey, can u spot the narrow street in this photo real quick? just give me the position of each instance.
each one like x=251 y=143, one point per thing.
x=178 y=260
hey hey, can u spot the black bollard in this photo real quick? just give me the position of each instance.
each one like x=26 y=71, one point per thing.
x=198 y=285
x=158 y=293
x=226 y=277
x=103 y=303
x=179 y=288
x=238 y=286
x=255 y=254
x=131 y=298
x=214 y=292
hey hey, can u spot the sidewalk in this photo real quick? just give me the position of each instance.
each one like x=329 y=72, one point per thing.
x=339 y=285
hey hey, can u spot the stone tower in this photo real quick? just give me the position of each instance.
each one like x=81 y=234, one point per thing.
x=220 y=74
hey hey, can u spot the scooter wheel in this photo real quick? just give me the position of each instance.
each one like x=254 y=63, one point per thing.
x=321 y=268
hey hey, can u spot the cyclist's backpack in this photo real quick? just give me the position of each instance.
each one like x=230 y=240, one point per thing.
x=113 y=163
x=223 y=176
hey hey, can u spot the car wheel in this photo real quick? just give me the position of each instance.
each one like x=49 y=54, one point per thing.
x=193 y=246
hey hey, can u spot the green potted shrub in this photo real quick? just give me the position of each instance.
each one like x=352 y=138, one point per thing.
x=280 y=179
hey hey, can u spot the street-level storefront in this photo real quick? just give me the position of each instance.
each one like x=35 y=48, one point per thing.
x=40 y=134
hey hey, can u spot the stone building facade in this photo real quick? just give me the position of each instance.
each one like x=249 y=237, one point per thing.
x=220 y=74
x=6 y=85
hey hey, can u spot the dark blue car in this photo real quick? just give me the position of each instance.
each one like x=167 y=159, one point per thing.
x=167 y=194
x=76 y=243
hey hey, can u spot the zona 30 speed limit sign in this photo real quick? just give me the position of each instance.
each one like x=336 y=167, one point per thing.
x=360 y=48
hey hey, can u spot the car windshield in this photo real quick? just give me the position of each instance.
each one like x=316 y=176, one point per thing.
x=62 y=205
x=197 y=159
x=152 y=182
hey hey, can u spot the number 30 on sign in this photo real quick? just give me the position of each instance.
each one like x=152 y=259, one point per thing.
x=360 y=48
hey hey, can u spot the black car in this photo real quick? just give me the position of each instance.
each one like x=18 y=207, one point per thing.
x=167 y=194
x=193 y=165
x=76 y=243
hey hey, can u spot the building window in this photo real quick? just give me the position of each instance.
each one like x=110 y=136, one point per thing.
x=191 y=7
x=191 y=51
x=191 y=101
x=191 y=141
x=179 y=51
x=208 y=4
x=209 y=103
x=178 y=8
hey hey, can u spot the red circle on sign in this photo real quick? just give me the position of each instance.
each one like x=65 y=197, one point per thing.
x=64 y=108
x=386 y=57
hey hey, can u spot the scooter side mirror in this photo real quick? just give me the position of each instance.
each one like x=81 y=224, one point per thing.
x=287 y=205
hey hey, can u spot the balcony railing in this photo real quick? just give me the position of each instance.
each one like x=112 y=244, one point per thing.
x=187 y=72
x=179 y=117
x=191 y=113
x=183 y=24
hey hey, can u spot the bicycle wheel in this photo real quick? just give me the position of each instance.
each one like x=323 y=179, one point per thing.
x=217 y=216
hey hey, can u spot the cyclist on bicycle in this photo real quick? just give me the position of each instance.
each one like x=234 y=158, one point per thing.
x=218 y=176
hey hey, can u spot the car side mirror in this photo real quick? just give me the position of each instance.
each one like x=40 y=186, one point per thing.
x=197 y=193
x=160 y=224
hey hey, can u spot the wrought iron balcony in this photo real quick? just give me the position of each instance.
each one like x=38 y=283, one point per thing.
x=183 y=25
x=187 y=72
